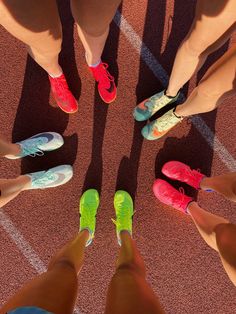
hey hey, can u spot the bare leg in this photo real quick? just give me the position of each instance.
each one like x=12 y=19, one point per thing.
x=37 y=24
x=93 y=19
x=205 y=223
x=7 y=148
x=217 y=84
x=129 y=292
x=10 y=188
x=219 y=16
x=56 y=289
x=224 y=184
x=219 y=234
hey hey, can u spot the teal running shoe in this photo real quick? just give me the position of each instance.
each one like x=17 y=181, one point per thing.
x=146 y=109
x=50 y=178
x=38 y=144
x=88 y=206
x=159 y=127
x=124 y=209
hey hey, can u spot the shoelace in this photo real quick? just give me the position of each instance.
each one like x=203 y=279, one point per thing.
x=154 y=105
x=31 y=148
x=86 y=220
x=89 y=215
x=163 y=125
x=192 y=172
x=166 y=123
x=180 y=201
x=61 y=87
x=122 y=215
x=103 y=75
x=48 y=176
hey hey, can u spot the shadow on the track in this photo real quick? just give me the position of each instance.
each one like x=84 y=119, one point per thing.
x=128 y=168
x=179 y=24
x=67 y=55
x=147 y=85
x=93 y=177
x=35 y=114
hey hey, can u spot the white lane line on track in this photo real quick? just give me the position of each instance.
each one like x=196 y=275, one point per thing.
x=21 y=243
x=163 y=77
x=24 y=247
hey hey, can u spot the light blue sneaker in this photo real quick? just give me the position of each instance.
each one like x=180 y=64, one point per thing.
x=146 y=109
x=50 y=178
x=38 y=144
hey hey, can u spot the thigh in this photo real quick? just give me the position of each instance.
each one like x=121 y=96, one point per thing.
x=220 y=80
x=214 y=23
x=54 y=291
x=94 y=16
x=226 y=243
x=129 y=293
x=36 y=23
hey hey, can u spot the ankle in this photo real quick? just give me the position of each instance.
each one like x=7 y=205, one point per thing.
x=58 y=74
x=55 y=71
x=178 y=112
x=85 y=234
x=205 y=184
x=92 y=61
x=171 y=93
x=25 y=182
x=14 y=150
x=125 y=235
x=190 y=206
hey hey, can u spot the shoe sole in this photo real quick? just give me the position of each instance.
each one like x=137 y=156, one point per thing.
x=107 y=102
x=67 y=111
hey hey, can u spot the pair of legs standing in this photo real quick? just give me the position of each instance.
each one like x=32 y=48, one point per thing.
x=216 y=231
x=38 y=25
x=213 y=25
x=34 y=146
x=55 y=291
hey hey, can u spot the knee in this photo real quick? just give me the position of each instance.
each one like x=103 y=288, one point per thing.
x=131 y=269
x=65 y=266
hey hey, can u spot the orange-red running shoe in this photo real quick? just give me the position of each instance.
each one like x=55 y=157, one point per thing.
x=177 y=170
x=106 y=82
x=63 y=96
x=168 y=195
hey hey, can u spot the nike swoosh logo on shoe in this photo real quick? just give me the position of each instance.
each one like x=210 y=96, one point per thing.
x=60 y=178
x=111 y=88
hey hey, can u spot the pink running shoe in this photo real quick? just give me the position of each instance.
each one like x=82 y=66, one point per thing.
x=168 y=195
x=179 y=171
x=106 y=83
x=63 y=96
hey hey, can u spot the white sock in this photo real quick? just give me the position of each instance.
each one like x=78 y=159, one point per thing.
x=94 y=65
x=55 y=76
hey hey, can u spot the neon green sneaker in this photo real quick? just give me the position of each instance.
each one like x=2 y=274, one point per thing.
x=124 y=208
x=88 y=206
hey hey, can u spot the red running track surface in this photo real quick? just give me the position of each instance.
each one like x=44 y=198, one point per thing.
x=104 y=145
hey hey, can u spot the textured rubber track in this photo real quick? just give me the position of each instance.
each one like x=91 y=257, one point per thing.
x=104 y=145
